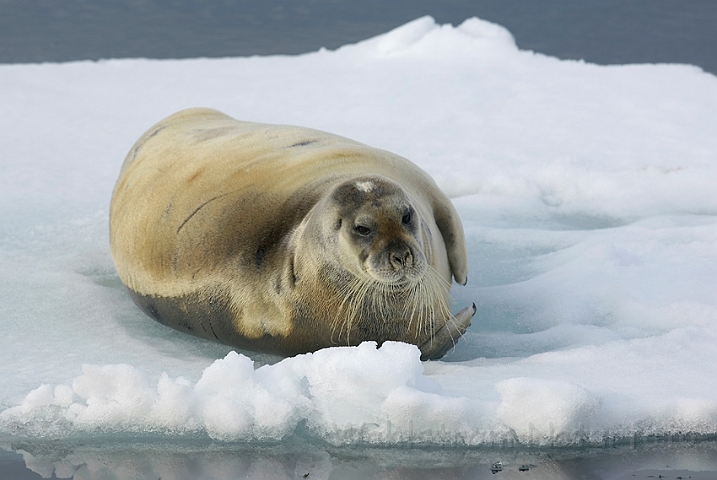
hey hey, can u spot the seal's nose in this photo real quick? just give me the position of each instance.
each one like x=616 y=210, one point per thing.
x=401 y=258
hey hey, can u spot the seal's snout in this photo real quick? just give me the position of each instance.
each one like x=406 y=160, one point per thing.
x=397 y=262
x=401 y=258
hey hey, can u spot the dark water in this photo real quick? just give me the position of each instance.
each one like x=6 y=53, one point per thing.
x=600 y=31
x=185 y=461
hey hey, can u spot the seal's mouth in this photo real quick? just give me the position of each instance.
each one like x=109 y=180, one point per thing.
x=397 y=285
x=397 y=279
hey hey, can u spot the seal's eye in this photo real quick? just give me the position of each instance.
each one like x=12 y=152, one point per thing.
x=406 y=218
x=361 y=230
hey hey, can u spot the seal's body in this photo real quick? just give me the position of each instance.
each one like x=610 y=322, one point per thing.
x=284 y=239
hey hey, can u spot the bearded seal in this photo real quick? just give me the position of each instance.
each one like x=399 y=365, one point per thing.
x=284 y=239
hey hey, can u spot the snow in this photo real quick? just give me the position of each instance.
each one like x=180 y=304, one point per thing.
x=588 y=198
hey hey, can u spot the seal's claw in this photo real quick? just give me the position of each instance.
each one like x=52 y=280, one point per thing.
x=445 y=338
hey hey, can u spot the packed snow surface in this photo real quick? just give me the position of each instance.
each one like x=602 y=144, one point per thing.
x=588 y=195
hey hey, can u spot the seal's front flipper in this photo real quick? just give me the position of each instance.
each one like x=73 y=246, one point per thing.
x=445 y=338
x=449 y=223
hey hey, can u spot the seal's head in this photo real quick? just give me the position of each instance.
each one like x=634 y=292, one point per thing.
x=376 y=229
x=375 y=249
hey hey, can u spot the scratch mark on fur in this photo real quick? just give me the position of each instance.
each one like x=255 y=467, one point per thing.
x=199 y=208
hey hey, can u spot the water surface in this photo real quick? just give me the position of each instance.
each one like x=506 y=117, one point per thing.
x=608 y=31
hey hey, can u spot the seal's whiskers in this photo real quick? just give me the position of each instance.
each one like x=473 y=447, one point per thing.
x=412 y=311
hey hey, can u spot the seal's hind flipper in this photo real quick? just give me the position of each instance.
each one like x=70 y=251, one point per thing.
x=447 y=336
